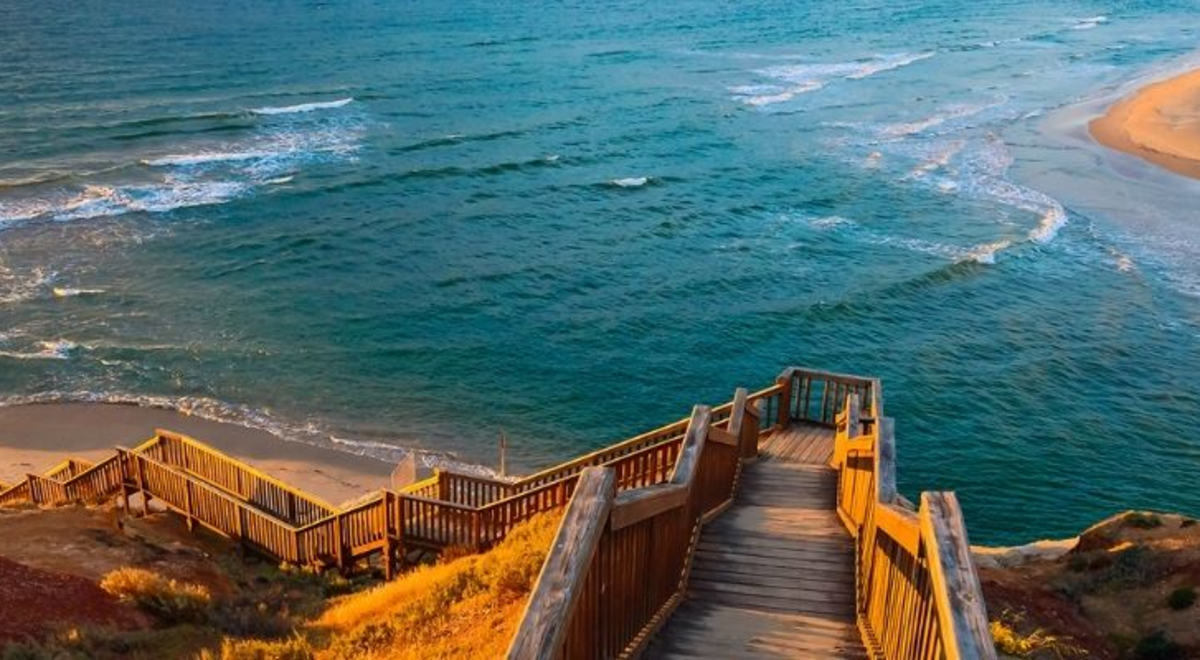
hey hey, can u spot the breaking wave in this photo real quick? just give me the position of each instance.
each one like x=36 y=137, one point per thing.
x=59 y=349
x=309 y=433
x=302 y=107
x=792 y=80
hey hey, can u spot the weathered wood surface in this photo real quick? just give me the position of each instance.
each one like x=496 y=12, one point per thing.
x=956 y=583
x=798 y=443
x=773 y=577
x=560 y=583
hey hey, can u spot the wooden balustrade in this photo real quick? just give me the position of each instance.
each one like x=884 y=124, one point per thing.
x=917 y=593
x=619 y=563
x=263 y=491
x=817 y=396
x=15 y=494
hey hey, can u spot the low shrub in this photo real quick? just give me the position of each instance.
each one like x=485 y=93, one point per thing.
x=296 y=648
x=1140 y=520
x=1158 y=646
x=1182 y=598
x=169 y=601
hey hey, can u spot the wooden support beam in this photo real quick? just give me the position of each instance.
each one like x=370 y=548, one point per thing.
x=543 y=626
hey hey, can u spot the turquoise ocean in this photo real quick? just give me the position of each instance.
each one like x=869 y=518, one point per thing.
x=387 y=226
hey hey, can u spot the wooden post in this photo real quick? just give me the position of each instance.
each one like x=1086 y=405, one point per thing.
x=33 y=497
x=398 y=503
x=784 y=416
x=388 y=547
x=503 y=454
x=141 y=484
x=123 y=461
x=187 y=503
x=339 y=546
x=443 y=485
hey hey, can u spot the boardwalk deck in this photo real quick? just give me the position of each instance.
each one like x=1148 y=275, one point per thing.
x=773 y=577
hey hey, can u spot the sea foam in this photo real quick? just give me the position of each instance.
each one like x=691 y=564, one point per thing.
x=59 y=349
x=302 y=107
x=792 y=80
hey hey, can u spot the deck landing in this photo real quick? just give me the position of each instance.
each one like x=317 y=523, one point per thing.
x=773 y=577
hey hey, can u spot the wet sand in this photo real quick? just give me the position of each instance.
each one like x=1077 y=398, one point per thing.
x=1159 y=123
x=37 y=436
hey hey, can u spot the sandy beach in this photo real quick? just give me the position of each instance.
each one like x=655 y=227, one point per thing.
x=1160 y=123
x=37 y=436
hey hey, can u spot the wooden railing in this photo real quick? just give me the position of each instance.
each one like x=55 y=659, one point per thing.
x=256 y=488
x=917 y=593
x=603 y=591
x=619 y=564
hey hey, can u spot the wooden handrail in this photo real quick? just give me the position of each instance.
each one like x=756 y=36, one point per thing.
x=559 y=584
x=914 y=571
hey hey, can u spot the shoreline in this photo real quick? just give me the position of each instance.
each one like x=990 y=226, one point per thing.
x=1159 y=123
x=36 y=436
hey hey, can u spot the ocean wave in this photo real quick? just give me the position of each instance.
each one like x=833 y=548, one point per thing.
x=209 y=174
x=982 y=253
x=18 y=287
x=792 y=80
x=985 y=168
x=38 y=179
x=302 y=107
x=309 y=432
x=947 y=114
x=631 y=182
x=1090 y=23
x=206 y=157
x=59 y=349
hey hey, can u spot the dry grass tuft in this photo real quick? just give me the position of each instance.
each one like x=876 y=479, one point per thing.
x=167 y=600
x=465 y=608
x=1037 y=643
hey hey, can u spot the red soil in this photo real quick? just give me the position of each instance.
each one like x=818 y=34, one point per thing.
x=33 y=601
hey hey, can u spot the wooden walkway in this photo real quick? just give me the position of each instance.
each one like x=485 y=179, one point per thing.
x=773 y=577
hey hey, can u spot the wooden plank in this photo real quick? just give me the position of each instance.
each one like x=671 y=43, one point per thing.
x=543 y=625
x=962 y=612
x=634 y=506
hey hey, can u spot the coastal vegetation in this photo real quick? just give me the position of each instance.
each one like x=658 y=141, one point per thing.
x=1125 y=589
x=463 y=605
